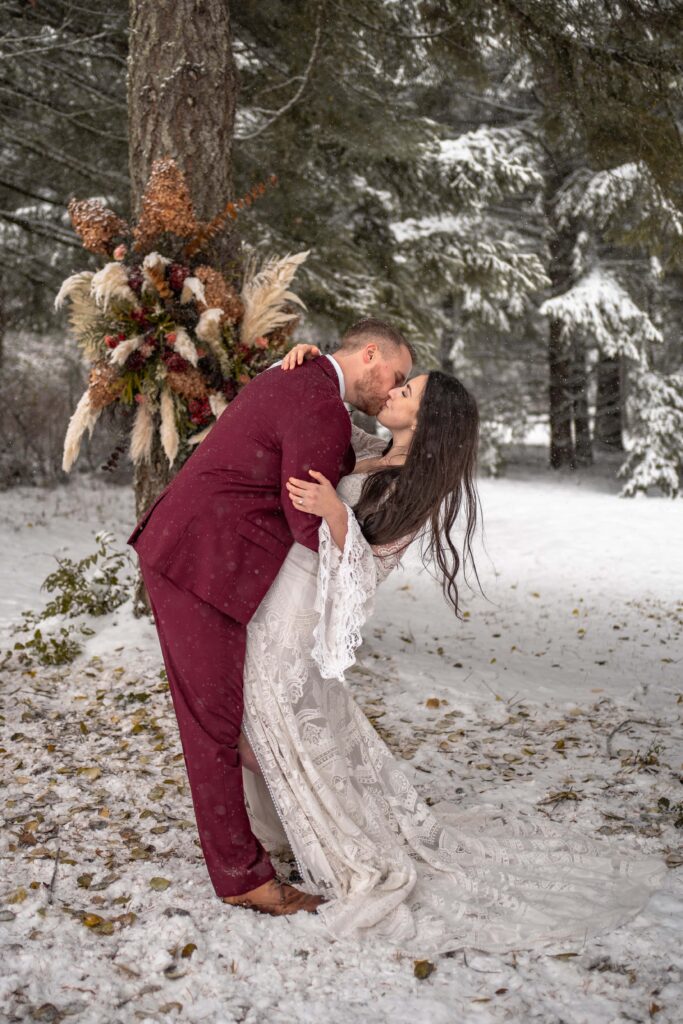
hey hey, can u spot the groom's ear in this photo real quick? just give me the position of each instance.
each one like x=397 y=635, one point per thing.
x=370 y=352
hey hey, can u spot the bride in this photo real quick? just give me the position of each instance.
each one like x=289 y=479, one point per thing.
x=320 y=781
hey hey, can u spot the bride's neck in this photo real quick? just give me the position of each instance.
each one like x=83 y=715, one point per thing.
x=401 y=440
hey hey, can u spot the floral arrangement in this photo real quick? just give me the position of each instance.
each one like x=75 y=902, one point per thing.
x=163 y=330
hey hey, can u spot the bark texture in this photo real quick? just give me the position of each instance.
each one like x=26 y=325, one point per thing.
x=583 y=445
x=570 y=439
x=182 y=88
x=608 y=411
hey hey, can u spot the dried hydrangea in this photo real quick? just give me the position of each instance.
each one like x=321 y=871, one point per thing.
x=219 y=294
x=166 y=205
x=96 y=225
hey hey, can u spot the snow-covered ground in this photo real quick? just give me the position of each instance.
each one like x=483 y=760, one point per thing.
x=580 y=633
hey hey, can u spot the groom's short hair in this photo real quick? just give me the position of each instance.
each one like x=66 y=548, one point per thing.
x=371 y=328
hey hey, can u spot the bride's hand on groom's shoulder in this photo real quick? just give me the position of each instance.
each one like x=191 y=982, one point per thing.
x=296 y=355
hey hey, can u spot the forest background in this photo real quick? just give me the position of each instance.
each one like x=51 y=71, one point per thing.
x=501 y=179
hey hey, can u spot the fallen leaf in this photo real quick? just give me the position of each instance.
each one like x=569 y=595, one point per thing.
x=188 y=950
x=159 y=884
x=91 y=920
x=423 y=968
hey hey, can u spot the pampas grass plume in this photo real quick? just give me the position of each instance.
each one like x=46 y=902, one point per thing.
x=265 y=294
x=84 y=418
x=168 y=431
x=142 y=434
x=119 y=354
x=184 y=346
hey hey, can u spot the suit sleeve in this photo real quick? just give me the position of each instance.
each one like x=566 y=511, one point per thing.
x=318 y=440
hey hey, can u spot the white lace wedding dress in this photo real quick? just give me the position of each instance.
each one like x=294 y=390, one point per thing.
x=425 y=879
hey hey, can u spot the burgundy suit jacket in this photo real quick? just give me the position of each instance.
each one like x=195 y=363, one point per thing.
x=223 y=526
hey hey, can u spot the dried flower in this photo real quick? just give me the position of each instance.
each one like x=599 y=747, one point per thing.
x=206 y=231
x=218 y=404
x=97 y=225
x=124 y=349
x=187 y=384
x=169 y=431
x=184 y=346
x=219 y=294
x=77 y=284
x=266 y=295
x=209 y=331
x=154 y=273
x=192 y=289
x=142 y=434
x=166 y=205
x=84 y=418
x=105 y=385
x=110 y=283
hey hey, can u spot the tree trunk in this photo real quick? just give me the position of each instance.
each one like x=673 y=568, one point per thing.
x=608 y=414
x=3 y=328
x=447 y=336
x=182 y=89
x=561 y=242
x=579 y=384
x=561 y=442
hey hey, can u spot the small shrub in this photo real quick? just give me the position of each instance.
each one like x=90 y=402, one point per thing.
x=93 y=586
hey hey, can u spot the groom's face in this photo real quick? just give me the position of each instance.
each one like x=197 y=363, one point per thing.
x=382 y=373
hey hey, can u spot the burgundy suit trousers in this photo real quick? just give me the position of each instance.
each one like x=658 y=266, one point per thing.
x=203 y=652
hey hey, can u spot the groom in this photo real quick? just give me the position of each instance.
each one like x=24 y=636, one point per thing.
x=211 y=545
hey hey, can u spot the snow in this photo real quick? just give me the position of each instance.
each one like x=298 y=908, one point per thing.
x=580 y=631
x=599 y=307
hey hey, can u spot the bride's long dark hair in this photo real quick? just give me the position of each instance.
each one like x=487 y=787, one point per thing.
x=434 y=483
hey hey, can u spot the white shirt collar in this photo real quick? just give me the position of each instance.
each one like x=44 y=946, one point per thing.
x=340 y=374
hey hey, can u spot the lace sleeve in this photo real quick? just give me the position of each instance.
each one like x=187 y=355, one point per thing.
x=346 y=585
x=366 y=446
x=344 y=599
x=388 y=556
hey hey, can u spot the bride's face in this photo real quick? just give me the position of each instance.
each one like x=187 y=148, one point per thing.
x=401 y=407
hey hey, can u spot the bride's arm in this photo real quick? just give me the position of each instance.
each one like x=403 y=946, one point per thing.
x=320 y=499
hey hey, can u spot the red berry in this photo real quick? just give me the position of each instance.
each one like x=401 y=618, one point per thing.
x=110 y=341
x=171 y=338
x=176 y=276
x=122 y=336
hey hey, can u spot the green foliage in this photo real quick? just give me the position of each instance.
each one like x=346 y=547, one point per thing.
x=60 y=649
x=93 y=586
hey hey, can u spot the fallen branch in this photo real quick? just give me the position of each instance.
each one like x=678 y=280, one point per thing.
x=618 y=728
x=51 y=890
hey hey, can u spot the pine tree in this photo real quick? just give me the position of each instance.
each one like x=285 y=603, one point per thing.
x=656 y=456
